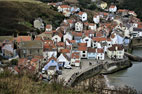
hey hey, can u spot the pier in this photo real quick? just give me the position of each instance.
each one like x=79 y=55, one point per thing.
x=78 y=74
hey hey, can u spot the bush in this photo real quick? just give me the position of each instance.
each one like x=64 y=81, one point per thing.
x=14 y=62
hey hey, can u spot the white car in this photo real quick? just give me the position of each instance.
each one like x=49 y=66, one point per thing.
x=68 y=67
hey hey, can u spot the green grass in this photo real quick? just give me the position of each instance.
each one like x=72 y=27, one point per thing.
x=24 y=12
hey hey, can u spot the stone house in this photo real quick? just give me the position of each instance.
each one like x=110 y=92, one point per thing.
x=30 y=48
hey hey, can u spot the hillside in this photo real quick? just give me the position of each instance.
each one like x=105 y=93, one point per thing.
x=14 y=13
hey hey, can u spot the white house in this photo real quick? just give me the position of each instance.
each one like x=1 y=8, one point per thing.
x=137 y=32
x=87 y=40
x=112 y=8
x=67 y=13
x=78 y=26
x=97 y=41
x=68 y=35
x=57 y=37
x=75 y=59
x=64 y=60
x=96 y=19
x=100 y=54
x=82 y=16
x=116 y=39
x=63 y=8
x=83 y=50
x=92 y=26
x=48 y=28
x=116 y=51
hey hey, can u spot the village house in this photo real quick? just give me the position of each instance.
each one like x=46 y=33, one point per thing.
x=63 y=8
x=96 y=18
x=92 y=53
x=82 y=47
x=103 y=5
x=7 y=46
x=100 y=54
x=92 y=26
x=19 y=39
x=97 y=41
x=46 y=35
x=57 y=37
x=48 y=28
x=30 y=48
x=116 y=51
x=82 y=16
x=79 y=26
x=64 y=61
x=50 y=49
x=60 y=45
x=66 y=52
x=112 y=8
x=77 y=37
x=75 y=59
x=89 y=33
x=68 y=35
x=67 y=13
x=8 y=51
x=137 y=32
x=87 y=40
x=51 y=67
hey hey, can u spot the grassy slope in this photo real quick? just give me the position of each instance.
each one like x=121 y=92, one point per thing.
x=13 y=12
x=12 y=84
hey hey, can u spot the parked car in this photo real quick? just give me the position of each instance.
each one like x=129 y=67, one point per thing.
x=68 y=67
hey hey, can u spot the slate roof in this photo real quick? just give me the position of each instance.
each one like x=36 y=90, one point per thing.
x=31 y=44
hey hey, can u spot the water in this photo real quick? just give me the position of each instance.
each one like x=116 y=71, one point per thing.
x=131 y=76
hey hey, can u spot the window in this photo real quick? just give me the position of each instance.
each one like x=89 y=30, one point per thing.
x=83 y=51
x=86 y=40
x=84 y=55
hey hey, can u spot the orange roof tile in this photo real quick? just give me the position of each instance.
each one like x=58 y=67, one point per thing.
x=65 y=6
x=82 y=44
x=80 y=13
x=80 y=48
x=48 y=26
x=65 y=51
x=23 y=38
x=99 y=50
x=99 y=39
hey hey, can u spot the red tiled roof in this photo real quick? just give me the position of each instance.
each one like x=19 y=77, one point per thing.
x=34 y=59
x=116 y=47
x=65 y=51
x=91 y=50
x=60 y=44
x=100 y=50
x=48 y=26
x=99 y=39
x=65 y=6
x=112 y=6
x=23 y=38
x=80 y=13
x=75 y=55
x=82 y=44
x=80 y=48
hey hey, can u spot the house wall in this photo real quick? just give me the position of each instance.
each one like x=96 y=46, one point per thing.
x=56 y=38
x=78 y=26
x=33 y=52
x=92 y=55
x=83 y=54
